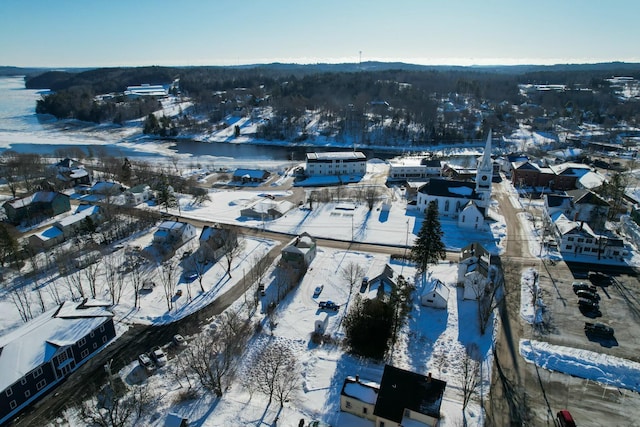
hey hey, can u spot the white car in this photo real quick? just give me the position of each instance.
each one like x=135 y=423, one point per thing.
x=158 y=356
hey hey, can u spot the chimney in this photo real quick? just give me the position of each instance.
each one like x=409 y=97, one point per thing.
x=429 y=377
x=358 y=379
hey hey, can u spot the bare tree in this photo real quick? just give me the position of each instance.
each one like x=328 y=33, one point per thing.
x=168 y=280
x=137 y=277
x=232 y=248
x=371 y=195
x=470 y=372
x=212 y=356
x=114 y=278
x=110 y=408
x=275 y=373
x=52 y=289
x=20 y=298
x=90 y=273
x=351 y=273
x=74 y=283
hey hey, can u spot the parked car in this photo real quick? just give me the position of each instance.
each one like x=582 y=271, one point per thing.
x=599 y=278
x=328 y=305
x=146 y=362
x=179 y=293
x=261 y=289
x=186 y=254
x=565 y=419
x=598 y=329
x=593 y=296
x=583 y=286
x=179 y=340
x=158 y=356
x=587 y=303
x=317 y=291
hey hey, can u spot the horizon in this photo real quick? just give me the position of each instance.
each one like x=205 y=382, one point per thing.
x=118 y=33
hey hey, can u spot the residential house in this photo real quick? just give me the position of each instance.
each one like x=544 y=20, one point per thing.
x=174 y=234
x=474 y=270
x=358 y=397
x=66 y=227
x=408 y=398
x=38 y=206
x=266 y=209
x=37 y=356
x=138 y=194
x=336 y=163
x=589 y=207
x=70 y=173
x=402 y=398
x=214 y=242
x=250 y=176
x=577 y=238
x=435 y=294
x=299 y=252
x=382 y=280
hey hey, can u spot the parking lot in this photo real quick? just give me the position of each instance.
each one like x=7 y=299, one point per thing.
x=591 y=403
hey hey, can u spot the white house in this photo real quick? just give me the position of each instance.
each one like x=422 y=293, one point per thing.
x=174 y=233
x=474 y=270
x=336 y=163
x=138 y=194
x=471 y=216
x=435 y=294
x=577 y=238
x=413 y=168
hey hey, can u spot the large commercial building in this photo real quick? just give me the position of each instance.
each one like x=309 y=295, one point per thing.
x=336 y=163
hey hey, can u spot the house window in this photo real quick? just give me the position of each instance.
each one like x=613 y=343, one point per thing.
x=27 y=393
x=41 y=384
x=407 y=413
x=463 y=218
x=570 y=239
x=569 y=247
x=104 y=340
x=91 y=334
x=347 y=404
x=589 y=241
x=82 y=342
x=102 y=328
x=84 y=353
x=95 y=345
x=23 y=381
x=446 y=205
x=381 y=424
x=62 y=357
x=580 y=240
x=9 y=392
x=429 y=300
x=364 y=410
x=37 y=373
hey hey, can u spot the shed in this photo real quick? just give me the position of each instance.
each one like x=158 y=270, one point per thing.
x=435 y=295
x=321 y=323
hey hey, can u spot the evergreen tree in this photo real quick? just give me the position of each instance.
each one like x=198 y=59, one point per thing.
x=8 y=245
x=429 y=247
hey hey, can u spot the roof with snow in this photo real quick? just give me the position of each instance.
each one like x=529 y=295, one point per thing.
x=449 y=188
x=251 y=173
x=555 y=200
x=37 y=197
x=38 y=341
x=79 y=215
x=436 y=285
x=364 y=391
x=400 y=390
x=337 y=155
x=586 y=197
x=566 y=226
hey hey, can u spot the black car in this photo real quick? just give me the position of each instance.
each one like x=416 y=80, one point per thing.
x=598 y=329
x=599 y=278
x=587 y=303
x=328 y=305
x=583 y=286
x=593 y=296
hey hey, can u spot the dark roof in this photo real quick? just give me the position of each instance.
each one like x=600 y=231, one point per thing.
x=554 y=200
x=474 y=249
x=400 y=390
x=431 y=162
x=253 y=173
x=587 y=197
x=450 y=188
x=526 y=166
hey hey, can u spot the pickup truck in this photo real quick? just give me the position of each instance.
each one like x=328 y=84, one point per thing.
x=598 y=329
x=328 y=305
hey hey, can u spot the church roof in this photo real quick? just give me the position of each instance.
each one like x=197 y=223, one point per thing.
x=441 y=187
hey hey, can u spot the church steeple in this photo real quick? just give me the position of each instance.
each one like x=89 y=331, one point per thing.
x=484 y=174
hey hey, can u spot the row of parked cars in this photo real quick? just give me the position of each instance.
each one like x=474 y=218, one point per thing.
x=589 y=303
x=156 y=357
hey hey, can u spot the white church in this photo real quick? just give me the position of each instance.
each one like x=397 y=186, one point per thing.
x=466 y=201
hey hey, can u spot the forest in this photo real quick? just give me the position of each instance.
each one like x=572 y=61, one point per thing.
x=369 y=102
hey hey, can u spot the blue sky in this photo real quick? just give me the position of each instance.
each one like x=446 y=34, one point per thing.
x=65 y=33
